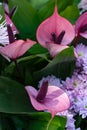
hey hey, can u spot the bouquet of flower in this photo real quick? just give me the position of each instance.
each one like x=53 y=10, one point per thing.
x=43 y=60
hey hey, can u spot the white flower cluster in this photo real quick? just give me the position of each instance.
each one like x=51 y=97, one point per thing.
x=4 y=40
x=82 y=6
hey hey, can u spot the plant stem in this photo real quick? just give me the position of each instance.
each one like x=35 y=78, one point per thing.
x=49 y=123
x=55 y=2
x=19 y=72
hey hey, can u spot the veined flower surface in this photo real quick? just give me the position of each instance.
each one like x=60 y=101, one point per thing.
x=16 y=49
x=55 y=33
x=55 y=99
x=81 y=26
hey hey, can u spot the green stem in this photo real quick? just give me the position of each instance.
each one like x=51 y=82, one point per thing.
x=55 y=2
x=49 y=123
x=19 y=72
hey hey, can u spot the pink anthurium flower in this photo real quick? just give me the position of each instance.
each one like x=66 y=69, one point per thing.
x=54 y=50
x=56 y=30
x=9 y=21
x=16 y=49
x=50 y=98
x=81 y=26
x=8 y=16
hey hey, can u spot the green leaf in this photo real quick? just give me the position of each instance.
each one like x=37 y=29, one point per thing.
x=61 y=66
x=37 y=3
x=40 y=121
x=6 y=123
x=77 y=1
x=27 y=66
x=47 y=9
x=14 y=100
x=37 y=49
x=25 y=18
x=71 y=13
x=1 y=13
x=13 y=97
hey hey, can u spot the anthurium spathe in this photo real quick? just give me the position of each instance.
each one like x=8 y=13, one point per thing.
x=56 y=30
x=50 y=98
x=9 y=21
x=81 y=26
x=8 y=16
x=16 y=49
x=55 y=49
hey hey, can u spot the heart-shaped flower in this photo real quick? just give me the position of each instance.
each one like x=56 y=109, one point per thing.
x=50 y=98
x=16 y=49
x=56 y=30
x=9 y=21
x=81 y=26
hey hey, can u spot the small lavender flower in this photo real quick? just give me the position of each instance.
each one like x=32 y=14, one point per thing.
x=81 y=50
x=81 y=61
x=52 y=80
x=81 y=106
x=70 y=122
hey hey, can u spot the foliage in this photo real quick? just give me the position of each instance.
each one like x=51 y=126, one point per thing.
x=16 y=111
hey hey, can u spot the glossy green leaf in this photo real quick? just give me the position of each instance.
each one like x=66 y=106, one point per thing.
x=77 y=1
x=37 y=3
x=14 y=100
x=6 y=123
x=25 y=18
x=61 y=66
x=38 y=120
x=27 y=65
x=71 y=13
x=41 y=121
x=47 y=9
x=1 y=13
x=13 y=97
x=37 y=49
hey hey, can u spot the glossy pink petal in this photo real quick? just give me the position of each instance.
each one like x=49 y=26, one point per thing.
x=55 y=49
x=55 y=24
x=56 y=100
x=16 y=49
x=9 y=21
x=81 y=25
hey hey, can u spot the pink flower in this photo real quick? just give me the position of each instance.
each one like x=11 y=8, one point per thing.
x=16 y=49
x=81 y=26
x=8 y=16
x=9 y=21
x=55 y=49
x=50 y=98
x=56 y=30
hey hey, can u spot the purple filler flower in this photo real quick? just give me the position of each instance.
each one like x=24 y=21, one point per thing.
x=81 y=50
x=81 y=106
x=81 y=61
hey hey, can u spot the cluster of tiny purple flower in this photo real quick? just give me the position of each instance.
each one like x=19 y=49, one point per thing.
x=75 y=87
